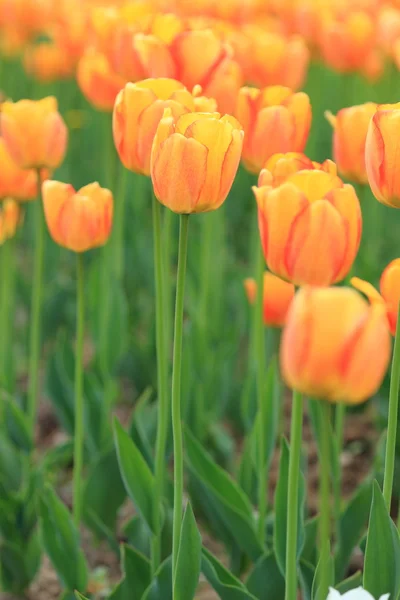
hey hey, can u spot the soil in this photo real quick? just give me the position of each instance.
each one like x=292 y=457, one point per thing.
x=360 y=439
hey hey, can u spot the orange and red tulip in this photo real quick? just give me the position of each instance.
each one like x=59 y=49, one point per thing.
x=291 y=218
x=194 y=160
x=335 y=346
x=350 y=127
x=99 y=83
x=48 y=62
x=277 y=296
x=381 y=154
x=274 y=120
x=138 y=110
x=34 y=133
x=10 y=219
x=21 y=184
x=77 y=220
x=279 y=167
x=389 y=295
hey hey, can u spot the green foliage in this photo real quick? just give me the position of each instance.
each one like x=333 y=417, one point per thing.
x=189 y=558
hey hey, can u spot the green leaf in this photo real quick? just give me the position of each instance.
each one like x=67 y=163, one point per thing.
x=309 y=551
x=161 y=586
x=265 y=580
x=231 y=503
x=306 y=578
x=59 y=383
x=272 y=397
x=61 y=541
x=189 y=558
x=19 y=564
x=136 y=578
x=382 y=554
x=138 y=535
x=350 y=583
x=104 y=490
x=80 y=597
x=227 y=586
x=59 y=457
x=281 y=507
x=317 y=593
x=17 y=426
x=136 y=475
x=352 y=526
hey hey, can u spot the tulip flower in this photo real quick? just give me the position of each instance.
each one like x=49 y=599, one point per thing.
x=10 y=218
x=389 y=295
x=97 y=80
x=356 y=594
x=34 y=133
x=335 y=346
x=194 y=160
x=277 y=296
x=21 y=184
x=138 y=110
x=77 y=220
x=279 y=167
x=310 y=227
x=350 y=127
x=48 y=62
x=381 y=154
x=274 y=120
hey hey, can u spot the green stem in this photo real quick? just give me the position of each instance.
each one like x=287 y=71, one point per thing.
x=162 y=383
x=79 y=405
x=296 y=429
x=261 y=400
x=176 y=393
x=36 y=310
x=119 y=221
x=167 y=238
x=392 y=418
x=340 y=413
x=6 y=310
x=324 y=517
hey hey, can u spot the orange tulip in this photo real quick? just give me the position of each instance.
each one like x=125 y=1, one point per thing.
x=310 y=227
x=21 y=184
x=194 y=160
x=279 y=167
x=389 y=288
x=202 y=58
x=10 y=219
x=77 y=220
x=48 y=62
x=335 y=346
x=97 y=80
x=381 y=154
x=350 y=128
x=277 y=296
x=138 y=110
x=34 y=133
x=274 y=120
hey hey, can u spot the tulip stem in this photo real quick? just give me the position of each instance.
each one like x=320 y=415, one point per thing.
x=36 y=306
x=79 y=406
x=261 y=400
x=119 y=230
x=162 y=382
x=296 y=429
x=392 y=418
x=325 y=516
x=340 y=413
x=176 y=395
x=7 y=311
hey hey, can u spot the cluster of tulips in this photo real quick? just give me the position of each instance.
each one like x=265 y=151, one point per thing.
x=173 y=75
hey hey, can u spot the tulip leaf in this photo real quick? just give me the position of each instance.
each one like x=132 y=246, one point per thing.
x=352 y=582
x=306 y=578
x=17 y=426
x=227 y=586
x=189 y=558
x=137 y=575
x=136 y=475
x=230 y=502
x=61 y=541
x=161 y=586
x=317 y=592
x=281 y=507
x=265 y=581
x=382 y=553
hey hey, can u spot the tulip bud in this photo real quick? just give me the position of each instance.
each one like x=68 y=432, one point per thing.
x=274 y=120
x=77 y=220
x=138 y=110
x=350 y=128
x=10 y=219
x=97 y=80
x=381 y=154
x=17 y=183
x=335 y=346
x=390 y=291
x=34 y=133
x=310 y=227
x=277 y=296
x=194 y=160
